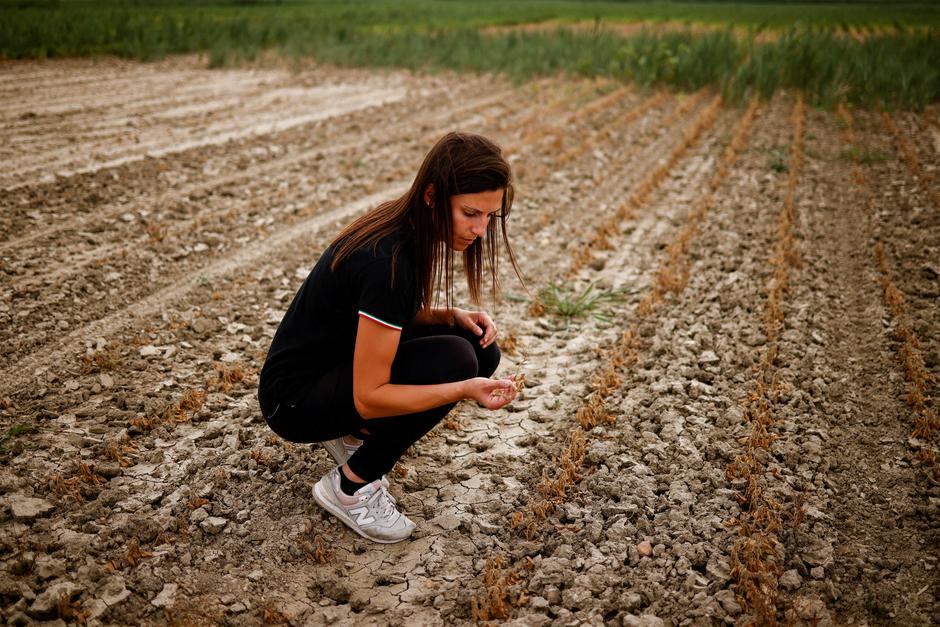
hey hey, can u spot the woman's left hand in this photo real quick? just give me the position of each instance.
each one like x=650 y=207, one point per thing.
x=478 y=323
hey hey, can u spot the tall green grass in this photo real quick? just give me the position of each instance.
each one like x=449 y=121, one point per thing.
x=894 y=70
x=891 y=67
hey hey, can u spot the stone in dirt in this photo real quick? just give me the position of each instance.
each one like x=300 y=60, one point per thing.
x=27 y=508
x=213 y=524
x=46 y=605
x=719 y=569
x=631 y=601
x=165 y=597
x=812 y=609
x=708 y=357
x=149 y=351
x=202 y=325
x=728 y=602
x=791 y=580
x=646 y=620
x=111 y=590
x=819 y=554
x=644 y=548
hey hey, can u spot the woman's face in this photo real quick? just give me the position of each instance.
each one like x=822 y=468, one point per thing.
x=471 y=213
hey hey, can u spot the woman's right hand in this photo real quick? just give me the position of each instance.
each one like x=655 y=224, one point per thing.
x=491 y=393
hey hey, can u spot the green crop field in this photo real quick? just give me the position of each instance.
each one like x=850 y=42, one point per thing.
x=869 y=54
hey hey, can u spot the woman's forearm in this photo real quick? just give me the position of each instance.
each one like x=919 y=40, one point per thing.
x=393 y=399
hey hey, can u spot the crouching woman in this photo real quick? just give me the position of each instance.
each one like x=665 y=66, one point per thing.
x=364 y=361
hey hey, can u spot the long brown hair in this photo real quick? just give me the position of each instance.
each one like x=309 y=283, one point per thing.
x=459 y=163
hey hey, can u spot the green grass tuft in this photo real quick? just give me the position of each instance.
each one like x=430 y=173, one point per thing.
x=567 y=303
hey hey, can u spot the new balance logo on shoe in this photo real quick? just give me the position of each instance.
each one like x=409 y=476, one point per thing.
x=362 y=516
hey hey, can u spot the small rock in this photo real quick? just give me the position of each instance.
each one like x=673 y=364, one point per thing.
x=27 y=508
x=719 y=569
x=49 y=568
x=106 y=380
x=146 y=529
x=202 y=325
x=230 y=357
x=820 y=554
x=631 y=601
x=237 y=608
x=728 y=602
x=359 y=600
x=255 y=575
x=536 y=602
x=213 y=524
x=46 y=605
x=644 y=548
x=165 y=597
x=791 y=580
x=112 y=590
x=646 y=620
x=812 y=609
x=817 y=572
x=708 y=357
x=149 y=351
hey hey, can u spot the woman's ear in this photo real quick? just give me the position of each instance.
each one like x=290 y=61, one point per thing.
x=429 y=195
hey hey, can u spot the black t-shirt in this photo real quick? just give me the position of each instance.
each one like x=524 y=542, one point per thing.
x=318 y=331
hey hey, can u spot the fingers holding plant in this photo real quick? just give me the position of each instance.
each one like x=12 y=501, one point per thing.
x=491 y=393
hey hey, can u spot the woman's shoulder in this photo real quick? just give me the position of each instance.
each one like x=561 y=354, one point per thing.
x=386 y=249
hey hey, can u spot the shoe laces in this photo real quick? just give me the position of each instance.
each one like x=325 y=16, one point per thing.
x=386 y=503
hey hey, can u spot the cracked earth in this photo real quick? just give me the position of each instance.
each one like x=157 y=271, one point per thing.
x=157 y=219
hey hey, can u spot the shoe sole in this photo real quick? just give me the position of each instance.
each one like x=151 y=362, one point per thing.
x=328 y=505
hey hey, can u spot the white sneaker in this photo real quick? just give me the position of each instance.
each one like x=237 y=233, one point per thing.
x=370 y=512
x=340 y=450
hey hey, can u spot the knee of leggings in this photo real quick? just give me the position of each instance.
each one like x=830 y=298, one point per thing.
x=488 y=360
x=461 y=360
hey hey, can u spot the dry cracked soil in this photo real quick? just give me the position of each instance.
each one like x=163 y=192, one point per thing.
x=157 y=219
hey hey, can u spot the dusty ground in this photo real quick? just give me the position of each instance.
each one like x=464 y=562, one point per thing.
x=156 y=220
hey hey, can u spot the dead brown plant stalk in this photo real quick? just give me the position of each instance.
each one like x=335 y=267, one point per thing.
x=226 y=378
x=101 y=361
x=754 y=556
x=910 y=158
x=918 y=379
x=644 y=189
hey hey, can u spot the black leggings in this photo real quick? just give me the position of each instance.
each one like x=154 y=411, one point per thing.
x=427 y=355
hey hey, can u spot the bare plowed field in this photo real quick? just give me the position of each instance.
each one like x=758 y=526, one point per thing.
x=748 y=432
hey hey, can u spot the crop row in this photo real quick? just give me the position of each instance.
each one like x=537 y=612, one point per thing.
x=504 y=581
x=918 y=380
x=169 y=232
x=909 y=155
x=756 y=555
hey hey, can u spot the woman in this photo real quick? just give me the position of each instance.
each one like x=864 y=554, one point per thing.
x=363 y=362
